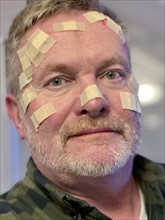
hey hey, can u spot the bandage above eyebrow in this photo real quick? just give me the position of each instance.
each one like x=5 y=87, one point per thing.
x=42 y=41
x=133 y=84
x=23 y=80
x=34 y=55
x=39 y=43
x=116 y=28
x=94 y=16
x=89 y=93
x=42 y=113
x=27 y=97
x=26 y=65
x=130 y=101
x=69 y=26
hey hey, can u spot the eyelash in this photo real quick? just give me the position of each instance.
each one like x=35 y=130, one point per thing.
x=62 y=78
x=119 y=72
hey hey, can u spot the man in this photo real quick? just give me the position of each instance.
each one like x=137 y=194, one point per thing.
x=72 y=96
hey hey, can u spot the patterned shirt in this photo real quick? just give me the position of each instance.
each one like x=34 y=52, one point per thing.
x=36 y=198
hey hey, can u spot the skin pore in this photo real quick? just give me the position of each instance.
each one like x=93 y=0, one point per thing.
x=85 y=149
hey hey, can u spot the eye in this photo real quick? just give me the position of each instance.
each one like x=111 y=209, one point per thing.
x=57 y=82
x=112 y=75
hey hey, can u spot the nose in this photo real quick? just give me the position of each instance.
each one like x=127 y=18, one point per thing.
x=94 y=107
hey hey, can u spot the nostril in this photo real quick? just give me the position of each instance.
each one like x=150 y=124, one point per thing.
x=84 y=112
x=102 y=110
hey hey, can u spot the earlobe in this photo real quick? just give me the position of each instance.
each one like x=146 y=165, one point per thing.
x=13 y=112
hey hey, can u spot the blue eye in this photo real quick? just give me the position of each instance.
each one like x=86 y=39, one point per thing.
x=112 y=75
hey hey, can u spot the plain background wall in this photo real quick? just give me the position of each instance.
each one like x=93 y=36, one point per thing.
x=145 y=22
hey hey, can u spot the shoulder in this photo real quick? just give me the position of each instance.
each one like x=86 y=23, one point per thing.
x=11 y=204
x=149 y=172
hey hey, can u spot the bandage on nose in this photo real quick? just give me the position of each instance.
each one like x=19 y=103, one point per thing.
x=91 y=92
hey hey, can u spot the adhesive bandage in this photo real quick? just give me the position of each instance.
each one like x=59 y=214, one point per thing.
x=69 y=26
x=23 y=81
x=27 y=97
x=89 y=93
x=116 y=28
x=94 y=16
x=42 y=41
x=130 y=101
x=42 y=113
x=39 y=43
x=34 y=55
x=26 y=65
x=133 y=84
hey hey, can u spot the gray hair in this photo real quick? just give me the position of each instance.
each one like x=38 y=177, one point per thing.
x=34 y=11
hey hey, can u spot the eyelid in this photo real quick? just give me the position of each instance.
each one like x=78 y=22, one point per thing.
x=119 y=71
x=63 y=77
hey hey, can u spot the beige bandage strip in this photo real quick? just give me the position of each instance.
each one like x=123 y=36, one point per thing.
x=26 y=65
x=94 y=16
x=34 y=55
x=89 y=93
x=23 y=80
x=133 y=84
x=42 y=113
x=27 y=97
x=39 y=43
x=42 y=41
x=116 y=28
x=69 y=26
x=130 y=101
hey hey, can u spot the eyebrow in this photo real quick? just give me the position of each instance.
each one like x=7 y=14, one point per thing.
x=49 y=68
x=111 y=61
x=116 y=60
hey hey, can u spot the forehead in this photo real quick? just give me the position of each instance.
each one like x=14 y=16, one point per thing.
x=96 y=31
x=97 y=37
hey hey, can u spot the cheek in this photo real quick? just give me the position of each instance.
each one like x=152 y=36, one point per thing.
x=62 y=110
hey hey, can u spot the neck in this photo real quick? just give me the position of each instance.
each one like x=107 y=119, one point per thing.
x=111 y=194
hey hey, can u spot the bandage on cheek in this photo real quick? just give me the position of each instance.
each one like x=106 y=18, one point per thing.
x=42 y=113
x=89 y=93
x=27 y=97
x=133 y=84
x=130 y=101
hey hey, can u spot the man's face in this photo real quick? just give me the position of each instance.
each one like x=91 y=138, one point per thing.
x=95 y=139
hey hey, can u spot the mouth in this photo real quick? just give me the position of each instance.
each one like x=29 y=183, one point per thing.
x=93 y=132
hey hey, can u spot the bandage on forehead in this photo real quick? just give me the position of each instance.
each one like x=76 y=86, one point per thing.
x=94 y=16
x=116 y=28
x=133 y=84
x=27 y=97
x=130 y=101
x=26 y=65
x=42 y=113
x=23 y=80
x=69 y=26
x=34 y=55
x=42 y=41
x=89 y=93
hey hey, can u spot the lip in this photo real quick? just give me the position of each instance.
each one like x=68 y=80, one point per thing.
x=93 y=131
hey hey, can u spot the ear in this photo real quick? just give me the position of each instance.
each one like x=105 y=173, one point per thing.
x=13 y=112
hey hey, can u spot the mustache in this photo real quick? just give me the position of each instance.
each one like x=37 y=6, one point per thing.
x=81 y=125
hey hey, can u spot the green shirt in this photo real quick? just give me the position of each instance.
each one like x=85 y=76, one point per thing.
x=35 y=197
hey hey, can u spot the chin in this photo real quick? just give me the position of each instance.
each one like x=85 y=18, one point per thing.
x=95 y=163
